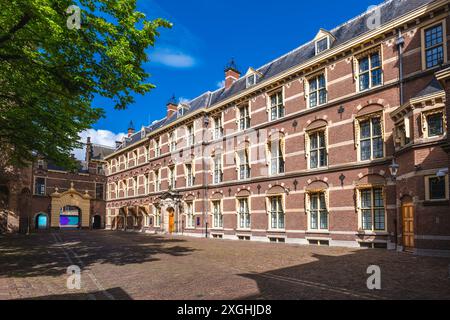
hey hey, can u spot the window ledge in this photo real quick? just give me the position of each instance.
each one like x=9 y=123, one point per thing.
x=436 y=203
x=372 y=233
x=326 y=232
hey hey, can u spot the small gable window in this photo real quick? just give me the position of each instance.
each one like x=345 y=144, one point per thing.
x=251 y=80
x=322 y=45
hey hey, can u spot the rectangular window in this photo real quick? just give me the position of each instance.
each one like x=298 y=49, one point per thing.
x=244 y=165
x=277 y=158
x=217 y=215
x=244 y=214
x=157 y=181
x=436 y=188
x=277 y=215
x=372 y=210
x=39 y=186
x=99 y=191
x=190 y=218
x=434 y=46
x=244 y=118
x=317 y=150
x=318 y=212
x=322 y=45
x=157 y=148
x=218 y=128
x=218 y=174
x=172 y=179
x=157 y=212
x=172 y=142
x=190 y=135
x=317 y=91
x=277 y=110
x=371 y=139
x=435 y=124
x=370 y=71
x=189 y=175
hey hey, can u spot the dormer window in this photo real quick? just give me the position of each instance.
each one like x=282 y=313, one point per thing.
x=251 y=80
x=322 y=45
x=323 y=41
x=182 y=110
x=252 y=77
x=142 y=133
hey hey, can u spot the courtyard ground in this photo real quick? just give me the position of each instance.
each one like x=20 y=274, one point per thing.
x=119 y=266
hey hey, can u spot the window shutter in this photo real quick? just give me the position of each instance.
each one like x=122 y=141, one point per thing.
x=307 y=202
x=307 y=145
x=283 y=147
x=268 y=152
x=357 y=130
x=407 y=127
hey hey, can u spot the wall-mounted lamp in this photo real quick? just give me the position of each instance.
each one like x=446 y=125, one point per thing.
x=394 y=167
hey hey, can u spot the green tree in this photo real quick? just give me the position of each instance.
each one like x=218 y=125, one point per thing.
x=51 y=71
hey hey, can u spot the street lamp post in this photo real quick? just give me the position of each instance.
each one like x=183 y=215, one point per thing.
x=394 y=168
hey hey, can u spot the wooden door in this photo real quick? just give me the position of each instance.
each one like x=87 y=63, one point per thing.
x=408 y=226
x=171 y=222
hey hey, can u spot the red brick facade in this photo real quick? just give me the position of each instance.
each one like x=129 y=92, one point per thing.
x=343 y=184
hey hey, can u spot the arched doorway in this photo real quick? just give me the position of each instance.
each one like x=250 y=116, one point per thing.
x=70 y=218
x=97 y=222
x=408 y=224
x=171 y=213
x=41 y=221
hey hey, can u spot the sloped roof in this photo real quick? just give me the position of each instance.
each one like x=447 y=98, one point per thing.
x=353 y=28
x=433 y=87
x=101 y=152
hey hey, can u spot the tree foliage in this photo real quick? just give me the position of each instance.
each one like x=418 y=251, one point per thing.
x=50 y=73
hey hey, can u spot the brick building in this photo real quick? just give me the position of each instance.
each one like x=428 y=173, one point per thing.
x=44 y=196
x=340 y=142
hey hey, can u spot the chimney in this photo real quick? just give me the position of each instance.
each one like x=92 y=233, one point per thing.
x=232 y=74
x=130 y=129
x=172 y=107
x=88 y=150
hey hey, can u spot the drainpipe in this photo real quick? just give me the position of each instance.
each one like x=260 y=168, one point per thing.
x=400 y=42
x=205 y=176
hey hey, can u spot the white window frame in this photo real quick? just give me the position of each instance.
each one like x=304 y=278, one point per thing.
x=278 y=106
x=218 y=127
x=244 y=218
x=279 y=210
x=358 y=140
x=318 y=90
x=358 y=73
x=425 y=125
x=444 y=43
x=189 y=177
x=190 y=215
x=244 y=117
x=320 y=40
x=311 y=197
x=308 y=144
x=250 y=83
x=281 y=156
x=217 y=215
x=372 y=208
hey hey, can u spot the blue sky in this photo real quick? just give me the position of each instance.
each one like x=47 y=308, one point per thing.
x=189 y=59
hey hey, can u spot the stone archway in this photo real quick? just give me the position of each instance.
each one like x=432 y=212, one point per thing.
x=170 y=205
x=71 y=198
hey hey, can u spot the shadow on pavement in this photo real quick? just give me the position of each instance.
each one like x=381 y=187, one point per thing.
x=47 y=254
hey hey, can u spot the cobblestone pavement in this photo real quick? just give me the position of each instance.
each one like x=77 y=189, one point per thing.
x=119 y=266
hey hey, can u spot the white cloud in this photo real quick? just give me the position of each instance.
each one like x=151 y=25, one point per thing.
x=172 y=58
x=101 y=137
x=221 y=84
x=184 y=100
